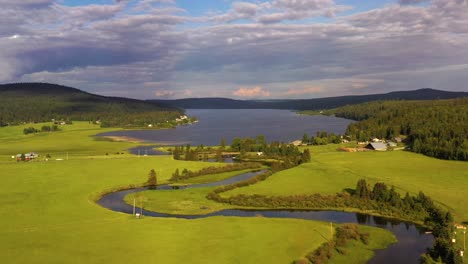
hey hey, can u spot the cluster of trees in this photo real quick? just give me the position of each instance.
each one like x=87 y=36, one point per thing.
x=31 y=130
x=343 y=235
x=290 y=161
x=286 y=155
x=186 y=174
x=321 y=138
x=187 y=152
x=436 y=128
x=41 y=102
x=259 y=144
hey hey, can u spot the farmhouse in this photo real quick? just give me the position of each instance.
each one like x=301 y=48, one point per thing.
x=296 y=143
x=27 y=156
x=377 y=146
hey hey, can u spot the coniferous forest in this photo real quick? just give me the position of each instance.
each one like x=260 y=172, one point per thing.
x=437 y=128
x=41 y=102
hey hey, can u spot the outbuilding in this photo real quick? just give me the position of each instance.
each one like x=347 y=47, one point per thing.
x=378 y=146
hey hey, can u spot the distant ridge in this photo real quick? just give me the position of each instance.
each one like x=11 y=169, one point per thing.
x=309 y=104
x=39 y=102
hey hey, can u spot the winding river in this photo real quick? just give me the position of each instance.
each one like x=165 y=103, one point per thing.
x=412 y=240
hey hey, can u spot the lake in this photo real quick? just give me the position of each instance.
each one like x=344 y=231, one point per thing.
x=215 y=124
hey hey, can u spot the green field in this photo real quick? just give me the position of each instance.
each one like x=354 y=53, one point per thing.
x=77 y=140
x=331 y=171
x=48 y=213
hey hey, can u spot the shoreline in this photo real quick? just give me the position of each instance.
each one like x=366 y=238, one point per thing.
x=124 y=139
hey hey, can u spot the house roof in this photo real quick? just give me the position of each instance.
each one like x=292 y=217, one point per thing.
x=378 y=145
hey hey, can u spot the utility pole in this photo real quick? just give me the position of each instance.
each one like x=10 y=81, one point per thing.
x=331 y=231
x=464 y=243
x=67 y=155
x=134 y=200
x=141 y=208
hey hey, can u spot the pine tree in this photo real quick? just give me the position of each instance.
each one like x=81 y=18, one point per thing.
x=152 y=179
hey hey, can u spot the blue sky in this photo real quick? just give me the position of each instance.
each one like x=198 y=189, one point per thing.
x=200 y=8
x=241 y=49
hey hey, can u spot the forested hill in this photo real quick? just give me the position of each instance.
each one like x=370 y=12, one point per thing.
x=309 y=104
x=39 y=102
x=437 y=128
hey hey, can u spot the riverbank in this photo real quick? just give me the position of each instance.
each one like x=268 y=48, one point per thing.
x=123 y=139
x=404 y=232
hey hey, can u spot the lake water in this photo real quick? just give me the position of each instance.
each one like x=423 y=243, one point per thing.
x=215 y=124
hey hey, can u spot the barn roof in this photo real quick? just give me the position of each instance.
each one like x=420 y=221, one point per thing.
x=378 y=145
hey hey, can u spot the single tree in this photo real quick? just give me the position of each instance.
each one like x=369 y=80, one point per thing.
x=152 y=179
x=222 y=145
x=175 y=175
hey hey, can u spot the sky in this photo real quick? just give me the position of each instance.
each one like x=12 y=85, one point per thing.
x=257 y=49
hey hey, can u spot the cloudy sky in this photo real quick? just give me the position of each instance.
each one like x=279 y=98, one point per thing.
x=239 y=49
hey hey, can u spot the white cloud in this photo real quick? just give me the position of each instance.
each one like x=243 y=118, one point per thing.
x=113 y=49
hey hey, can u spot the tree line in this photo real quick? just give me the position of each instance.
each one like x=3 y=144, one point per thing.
x=45 y=128
x=187 y=174
x=41 y=102
x=321 y=138
x=437 y=128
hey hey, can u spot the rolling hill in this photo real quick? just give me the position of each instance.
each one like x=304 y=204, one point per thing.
x=309 y=104
x=39 y=102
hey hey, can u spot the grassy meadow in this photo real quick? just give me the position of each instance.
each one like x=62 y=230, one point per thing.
x=77 y=140
x=331 y=171
x=48 y=213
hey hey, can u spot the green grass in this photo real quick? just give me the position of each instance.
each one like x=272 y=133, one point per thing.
x=77 y=140
x=331 y=171
x=357 y=252
x=186 y=201
x=48 y=216
x=48 y=213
